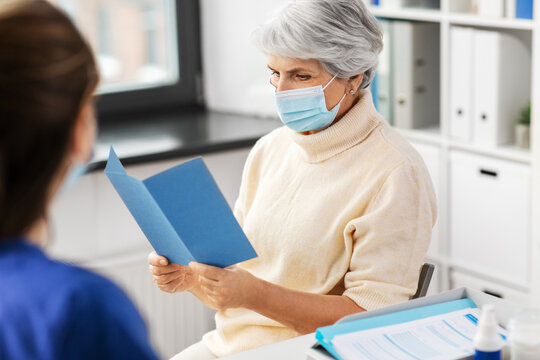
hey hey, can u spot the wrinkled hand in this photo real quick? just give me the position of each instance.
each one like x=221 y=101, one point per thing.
x=170 y=277
x=231 y=287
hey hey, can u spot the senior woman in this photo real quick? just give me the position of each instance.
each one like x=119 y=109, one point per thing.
x=337 y=205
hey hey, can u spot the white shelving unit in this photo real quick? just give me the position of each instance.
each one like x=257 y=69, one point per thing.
x=439 y=138
x=535 y=161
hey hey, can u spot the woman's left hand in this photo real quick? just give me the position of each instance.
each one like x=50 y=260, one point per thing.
x=231 y=287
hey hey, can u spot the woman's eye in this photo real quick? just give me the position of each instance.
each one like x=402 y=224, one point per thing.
x=275 y=73
x=303 y=77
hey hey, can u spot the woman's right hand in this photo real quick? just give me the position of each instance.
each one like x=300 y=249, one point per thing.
x=170 y=277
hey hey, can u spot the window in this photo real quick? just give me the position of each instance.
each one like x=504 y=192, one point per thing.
x=147 y=50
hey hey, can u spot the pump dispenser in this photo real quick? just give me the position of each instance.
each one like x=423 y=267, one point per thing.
x=487 y=341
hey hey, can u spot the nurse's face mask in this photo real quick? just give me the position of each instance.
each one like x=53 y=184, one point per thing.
x=79 y=168
x=305 y=109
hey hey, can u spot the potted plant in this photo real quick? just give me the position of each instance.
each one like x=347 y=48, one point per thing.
x=523 y=128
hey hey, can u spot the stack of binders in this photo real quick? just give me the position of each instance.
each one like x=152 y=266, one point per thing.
x=382 y=85
x=521 y=9
x=431 y=4
x=407 y=88
x=489 y=85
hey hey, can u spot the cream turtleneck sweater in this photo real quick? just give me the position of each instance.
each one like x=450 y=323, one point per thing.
x=348 y=210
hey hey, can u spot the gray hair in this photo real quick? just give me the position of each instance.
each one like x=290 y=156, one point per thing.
x=341 y=34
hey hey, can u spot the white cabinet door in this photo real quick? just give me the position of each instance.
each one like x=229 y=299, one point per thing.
x=489 y=216
x=460 y=279
x=431 y=155
x=73 y=225
x=227 y=167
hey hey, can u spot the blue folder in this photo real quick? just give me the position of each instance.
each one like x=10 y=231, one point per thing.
x=183 y=214
x=325 y=334
x=524 y=9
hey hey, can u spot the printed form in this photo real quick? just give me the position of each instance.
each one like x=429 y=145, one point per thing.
x=443 y=337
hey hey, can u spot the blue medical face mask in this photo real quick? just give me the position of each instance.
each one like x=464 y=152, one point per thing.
x=305 y=109
x=75 y=172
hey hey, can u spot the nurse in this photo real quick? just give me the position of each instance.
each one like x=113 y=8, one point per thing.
x=48 y=309
x=338 y=206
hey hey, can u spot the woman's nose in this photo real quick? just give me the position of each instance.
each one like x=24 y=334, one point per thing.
x=282 y=85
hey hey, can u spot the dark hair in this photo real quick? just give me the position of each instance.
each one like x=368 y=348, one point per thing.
x=47 y=73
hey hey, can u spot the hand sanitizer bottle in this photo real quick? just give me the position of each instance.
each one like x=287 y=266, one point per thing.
x=488 y=343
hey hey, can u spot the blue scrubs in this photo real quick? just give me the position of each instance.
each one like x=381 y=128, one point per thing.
x=52 y=310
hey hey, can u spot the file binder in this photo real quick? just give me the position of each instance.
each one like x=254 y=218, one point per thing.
x=183 y=214
x=326 y=334
x=510 y=11
x=384 y=93
x=491 y=8
x=500 y=59
x=433 y=4
x=524 y=9
x=392 y=3
x=461 y=84
x=416 y=74
x=374 y=88
x=462 y=6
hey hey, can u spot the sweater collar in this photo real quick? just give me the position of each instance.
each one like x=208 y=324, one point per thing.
x=353 y=128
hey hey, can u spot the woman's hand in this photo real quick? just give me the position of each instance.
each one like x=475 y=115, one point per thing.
x=170 y=277
x=231 y=287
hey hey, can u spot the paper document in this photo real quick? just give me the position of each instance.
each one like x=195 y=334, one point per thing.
x=183 y=214
x=442 y=337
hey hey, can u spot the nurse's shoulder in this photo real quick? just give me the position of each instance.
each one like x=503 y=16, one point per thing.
x=63 y=311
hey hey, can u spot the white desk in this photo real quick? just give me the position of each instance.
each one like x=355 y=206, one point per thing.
x=289 y=349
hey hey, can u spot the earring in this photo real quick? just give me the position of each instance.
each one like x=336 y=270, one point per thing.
x=351 y=92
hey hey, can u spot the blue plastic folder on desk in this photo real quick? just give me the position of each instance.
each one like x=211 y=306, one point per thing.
x=325 y=334
x=183 y=214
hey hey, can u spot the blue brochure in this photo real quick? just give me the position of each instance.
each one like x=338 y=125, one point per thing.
x=325 y=334
x=183 y=214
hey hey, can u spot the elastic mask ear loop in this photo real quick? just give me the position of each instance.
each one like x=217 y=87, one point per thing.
x=343 y=97
x=325 y=86
x=328 y=83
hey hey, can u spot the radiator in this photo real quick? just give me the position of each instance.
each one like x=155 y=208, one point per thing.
x=174 y=321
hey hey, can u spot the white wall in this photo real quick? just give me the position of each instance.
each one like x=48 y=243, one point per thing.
x=236 y=78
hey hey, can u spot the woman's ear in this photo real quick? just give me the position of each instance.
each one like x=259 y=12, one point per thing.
x=84 y=133
x=355 y=82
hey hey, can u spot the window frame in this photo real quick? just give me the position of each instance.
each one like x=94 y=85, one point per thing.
x=186 y=92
